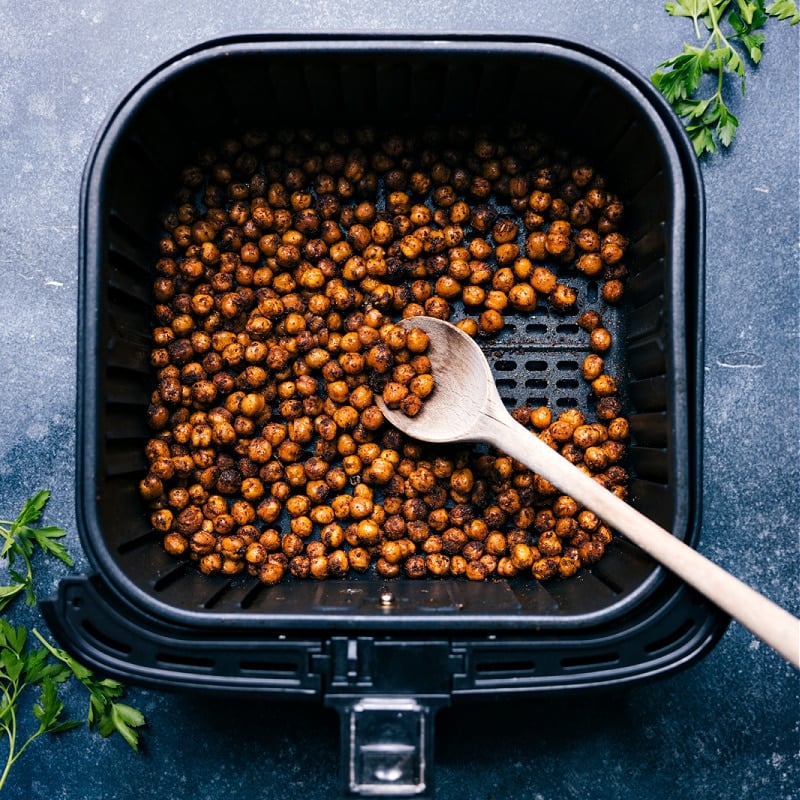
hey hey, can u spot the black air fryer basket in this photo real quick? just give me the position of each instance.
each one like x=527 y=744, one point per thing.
x=388 y=654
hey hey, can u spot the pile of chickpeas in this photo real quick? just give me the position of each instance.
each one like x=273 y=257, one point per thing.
x=287 y=260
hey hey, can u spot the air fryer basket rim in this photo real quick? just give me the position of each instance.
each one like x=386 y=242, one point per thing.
x=689 y=250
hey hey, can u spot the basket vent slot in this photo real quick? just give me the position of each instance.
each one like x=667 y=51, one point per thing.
x=668 y=642
x=268 y=667
x=504 y=667
x=107 y=642
x=184 y=661
x=590 y=660
x=171 y=577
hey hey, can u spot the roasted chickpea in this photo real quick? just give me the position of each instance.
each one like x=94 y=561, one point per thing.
x=600 y=340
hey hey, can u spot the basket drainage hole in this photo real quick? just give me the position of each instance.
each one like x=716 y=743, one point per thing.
x=505 y=365
x=536 y=366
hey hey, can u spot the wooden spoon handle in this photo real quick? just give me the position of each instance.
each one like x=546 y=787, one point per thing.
x=767 y=620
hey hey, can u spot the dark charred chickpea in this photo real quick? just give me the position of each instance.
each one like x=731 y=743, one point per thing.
x=608 y=408
x=591 y=552
x=603 y=534
x=453 y=540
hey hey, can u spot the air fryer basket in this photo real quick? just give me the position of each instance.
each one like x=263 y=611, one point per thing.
x=143 y=616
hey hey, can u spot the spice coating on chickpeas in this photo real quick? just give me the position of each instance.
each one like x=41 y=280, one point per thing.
x=286 y=263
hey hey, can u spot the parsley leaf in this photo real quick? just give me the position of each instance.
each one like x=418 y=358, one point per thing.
x=729 y=34
x=104 y=714
x=20 y=541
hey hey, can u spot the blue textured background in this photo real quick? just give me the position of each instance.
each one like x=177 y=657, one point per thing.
x=726 y=728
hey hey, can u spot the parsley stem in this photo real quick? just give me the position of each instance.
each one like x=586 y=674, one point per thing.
x=714 y=14
x=10 y=730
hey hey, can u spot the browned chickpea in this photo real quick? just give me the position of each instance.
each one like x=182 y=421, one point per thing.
x=590 y=264
x=271 y=573
x=544 y=569
x=595 y=458
x=569 y=563
x=562 y=297
x=202 y=543
x=394 y=393
x=476 y=570
x=458 y=565
x=437 y=564
x=491 y=322
x=522 y=556
x=496 y=543
x=604 y=385
x=612 y=291
x=592 y=367
x=586 y=436
x=210 y=563
x=589 y=320
x=618 y=429
x=591 y=552
x=175 y=544
x=599 y=340
x=612 y=248
x=151 y=487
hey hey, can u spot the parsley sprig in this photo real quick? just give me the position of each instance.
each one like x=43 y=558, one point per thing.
x=20 y=542
x=31 y=671
x=729 y=36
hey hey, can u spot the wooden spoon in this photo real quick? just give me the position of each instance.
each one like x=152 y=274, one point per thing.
x=466 y=407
